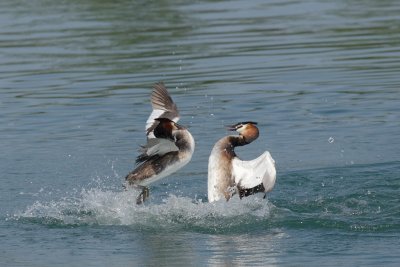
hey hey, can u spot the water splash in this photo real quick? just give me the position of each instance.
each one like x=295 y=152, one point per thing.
x=104 y=207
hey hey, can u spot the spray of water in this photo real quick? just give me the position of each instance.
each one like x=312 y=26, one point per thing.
x=97 y=206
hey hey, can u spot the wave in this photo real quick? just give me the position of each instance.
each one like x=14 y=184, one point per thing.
x=352 y=199
x=104 y=207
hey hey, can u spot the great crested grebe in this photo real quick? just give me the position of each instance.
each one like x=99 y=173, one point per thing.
x=169 y=145
x=227 y=174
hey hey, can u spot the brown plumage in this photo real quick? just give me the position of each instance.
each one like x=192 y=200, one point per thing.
x=227 y=174
x=169 y=145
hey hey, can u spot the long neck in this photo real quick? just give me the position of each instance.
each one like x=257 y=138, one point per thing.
x=237 y=140
x=184 y=141
x=228 y=144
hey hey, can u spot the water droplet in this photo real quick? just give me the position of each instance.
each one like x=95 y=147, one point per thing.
x=331 y=140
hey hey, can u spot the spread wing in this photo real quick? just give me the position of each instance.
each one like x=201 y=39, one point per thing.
x=156 y=147
x=163 y=107
x=249 y=174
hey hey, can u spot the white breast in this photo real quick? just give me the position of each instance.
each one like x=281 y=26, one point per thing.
x=218 y=166
x=183 y=158
x=170 y=169
x=214 y=173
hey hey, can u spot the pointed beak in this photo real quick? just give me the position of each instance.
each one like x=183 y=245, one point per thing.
x=231 y=127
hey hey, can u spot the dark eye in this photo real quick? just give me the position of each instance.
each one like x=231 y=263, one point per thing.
x=239 y=126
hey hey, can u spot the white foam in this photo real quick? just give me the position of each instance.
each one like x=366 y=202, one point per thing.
x=104 y=207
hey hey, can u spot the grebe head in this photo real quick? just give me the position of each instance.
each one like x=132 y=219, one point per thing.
x=247 y=129
x=166 y=128
x=177 y=133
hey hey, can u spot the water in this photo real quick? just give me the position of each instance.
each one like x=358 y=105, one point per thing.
x=320 y=77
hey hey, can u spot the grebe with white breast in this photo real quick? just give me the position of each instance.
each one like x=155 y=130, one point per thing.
x=228 y=175
x=169 y=145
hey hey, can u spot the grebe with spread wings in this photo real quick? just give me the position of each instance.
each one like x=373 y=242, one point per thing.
x=227 y=174
x=169 y=145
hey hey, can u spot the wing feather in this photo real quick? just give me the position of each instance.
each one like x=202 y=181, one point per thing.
x=163 y=107
x=156 y=147
x=249 y=174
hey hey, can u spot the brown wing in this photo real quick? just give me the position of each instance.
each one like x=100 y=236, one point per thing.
x=163 y=107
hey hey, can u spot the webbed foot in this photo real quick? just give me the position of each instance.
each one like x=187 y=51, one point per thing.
x=143 y=195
